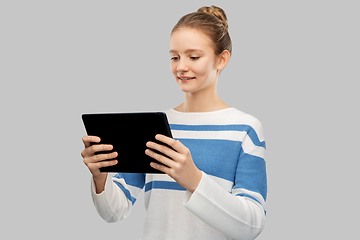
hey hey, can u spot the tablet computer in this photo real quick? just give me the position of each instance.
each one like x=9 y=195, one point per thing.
x=128 y=133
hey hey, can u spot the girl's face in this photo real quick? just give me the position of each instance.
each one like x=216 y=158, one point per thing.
x=193 y=61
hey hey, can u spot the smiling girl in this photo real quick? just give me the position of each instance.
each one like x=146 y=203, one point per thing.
x=215 y=183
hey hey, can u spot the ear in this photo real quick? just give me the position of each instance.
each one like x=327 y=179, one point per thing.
x=223 y=60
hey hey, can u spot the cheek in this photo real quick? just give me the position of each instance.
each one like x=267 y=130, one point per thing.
x=203 y=68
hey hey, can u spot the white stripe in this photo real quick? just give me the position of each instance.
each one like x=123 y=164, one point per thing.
x=256 y=195
x=228 y=117
x=257 y=151
x=251 y=149
x=133 y=190
x=226 y=184
x=119 y=180
x=158 y=177
x=240 y=136
x=221 y=135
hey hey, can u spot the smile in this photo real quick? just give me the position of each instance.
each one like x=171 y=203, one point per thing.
x=185 y=78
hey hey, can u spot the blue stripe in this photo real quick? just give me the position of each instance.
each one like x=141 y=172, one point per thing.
x=234 y=127
x=127 y=193
x=133 y=179
x=163 y=185
x=215 y=157
x=251 y=174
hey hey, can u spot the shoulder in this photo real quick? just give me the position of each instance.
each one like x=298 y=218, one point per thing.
x=229 y=116
x=226 y=120
x=246 y=119
x=251 y=125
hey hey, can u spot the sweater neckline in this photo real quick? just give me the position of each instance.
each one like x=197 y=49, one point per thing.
x=199 y=113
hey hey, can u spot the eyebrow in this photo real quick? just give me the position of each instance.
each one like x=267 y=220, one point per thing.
x=187 y=51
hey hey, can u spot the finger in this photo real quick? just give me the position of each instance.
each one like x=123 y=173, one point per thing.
x=91 y=150
x=100 y=157
x=160 y=167
x=163 y=149
x=175 y=144
x=96 y=166
x=89 y=139
x=162 y=159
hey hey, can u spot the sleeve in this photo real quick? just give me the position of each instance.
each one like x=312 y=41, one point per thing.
x=116 y=201
x=239 y=214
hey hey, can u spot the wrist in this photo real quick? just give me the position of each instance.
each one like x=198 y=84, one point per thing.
x=197 y=180
x=100 y=182
x=99 y=178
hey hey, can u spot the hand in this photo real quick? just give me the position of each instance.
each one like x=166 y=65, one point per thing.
x=95 y=162
x=178 y=164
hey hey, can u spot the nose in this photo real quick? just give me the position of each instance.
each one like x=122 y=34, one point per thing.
x=182 y=66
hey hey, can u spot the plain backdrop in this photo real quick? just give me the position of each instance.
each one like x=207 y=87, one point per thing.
x=295 y=66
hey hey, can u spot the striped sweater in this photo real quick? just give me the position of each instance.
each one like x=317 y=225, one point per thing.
x=229 y=203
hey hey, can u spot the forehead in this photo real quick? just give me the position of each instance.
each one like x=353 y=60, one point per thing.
x=185 y=38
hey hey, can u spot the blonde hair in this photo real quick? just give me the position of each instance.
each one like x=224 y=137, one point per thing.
x=212 y=21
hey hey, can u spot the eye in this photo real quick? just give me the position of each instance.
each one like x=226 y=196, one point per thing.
x=174 y=58
x=194 y=58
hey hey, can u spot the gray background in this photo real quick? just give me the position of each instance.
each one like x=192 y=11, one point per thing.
x=295 y=66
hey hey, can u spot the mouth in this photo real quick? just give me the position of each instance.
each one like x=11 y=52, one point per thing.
x=183 y=78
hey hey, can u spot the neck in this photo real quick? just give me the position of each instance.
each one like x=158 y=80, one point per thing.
x=202 y=101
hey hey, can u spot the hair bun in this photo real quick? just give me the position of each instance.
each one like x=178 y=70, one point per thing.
x=217 y=12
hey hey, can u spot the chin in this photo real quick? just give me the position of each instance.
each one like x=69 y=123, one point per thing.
x=186 y=88
x=189 y=90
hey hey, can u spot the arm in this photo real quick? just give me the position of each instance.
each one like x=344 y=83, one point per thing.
x=112 y=197
x=239 y=214
x=235 y=216
x=119 y=195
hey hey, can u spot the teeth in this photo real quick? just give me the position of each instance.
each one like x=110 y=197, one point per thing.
x=185 y=78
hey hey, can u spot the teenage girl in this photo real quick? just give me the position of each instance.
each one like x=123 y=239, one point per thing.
x=215 y=183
